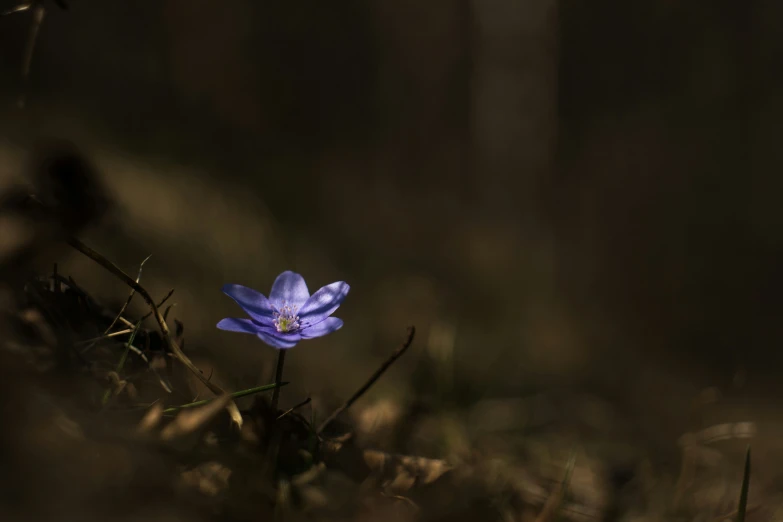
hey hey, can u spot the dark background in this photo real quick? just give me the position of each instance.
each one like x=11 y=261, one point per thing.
x=585 y=194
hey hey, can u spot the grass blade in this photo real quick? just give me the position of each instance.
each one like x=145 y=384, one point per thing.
x=557 y=497
x=123 y=358
x=235 y=395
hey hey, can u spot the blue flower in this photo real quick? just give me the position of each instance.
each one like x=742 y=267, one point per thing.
x=290 y=314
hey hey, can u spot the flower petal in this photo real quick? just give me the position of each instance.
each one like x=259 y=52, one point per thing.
x=289 y=287
x=323 y=303
x=278 y=340
x=327 y=326
x=233 y=324
x=254 y=303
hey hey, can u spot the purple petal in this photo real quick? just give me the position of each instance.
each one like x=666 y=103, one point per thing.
x=278 y=340
x=327 y=326
x=323 y=303
x=289 y=287
x=252 y=302
x=233 y=324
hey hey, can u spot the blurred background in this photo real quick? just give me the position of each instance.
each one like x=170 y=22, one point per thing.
x=574 y=198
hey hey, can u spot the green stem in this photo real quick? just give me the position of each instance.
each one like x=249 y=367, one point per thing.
x=235 y=395
x=278 y=379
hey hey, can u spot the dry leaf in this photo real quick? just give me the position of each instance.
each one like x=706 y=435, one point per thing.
x=192 y=419
x=151 y=419
x=210 y=478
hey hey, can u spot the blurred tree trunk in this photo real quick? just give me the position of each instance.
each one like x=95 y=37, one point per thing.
x=665 y=162
x=423 y=67
x=514 y=111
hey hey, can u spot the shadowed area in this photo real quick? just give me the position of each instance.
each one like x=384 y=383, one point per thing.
x=575 y=203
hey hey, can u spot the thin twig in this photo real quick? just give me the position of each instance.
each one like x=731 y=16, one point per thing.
x=103 y=337
x=39 y=12
x=121 y=363
x=161 y=303
x=150 y=313
x=742 y=505
x=555 y=500
x=289 y=410
x=164 y=329
x=91 y=342
x=81 y=292
x=140 y=354
x=375 y=376
x=161 y=380
x=129 y=299
x=167 y=310
x=119 y=314
x=404 y=499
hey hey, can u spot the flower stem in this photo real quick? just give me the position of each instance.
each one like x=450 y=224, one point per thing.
x=278 y=379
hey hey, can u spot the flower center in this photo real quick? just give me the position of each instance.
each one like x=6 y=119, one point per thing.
x=285 y=318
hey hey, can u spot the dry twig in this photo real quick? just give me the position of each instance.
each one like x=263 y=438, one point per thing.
x=39 y=12
x=294 y=408
x=374 y=377
x=164 y=329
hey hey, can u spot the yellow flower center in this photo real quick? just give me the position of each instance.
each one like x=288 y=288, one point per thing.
x=285 y=318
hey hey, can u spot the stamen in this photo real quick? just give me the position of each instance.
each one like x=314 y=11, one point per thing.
x=285 y=318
